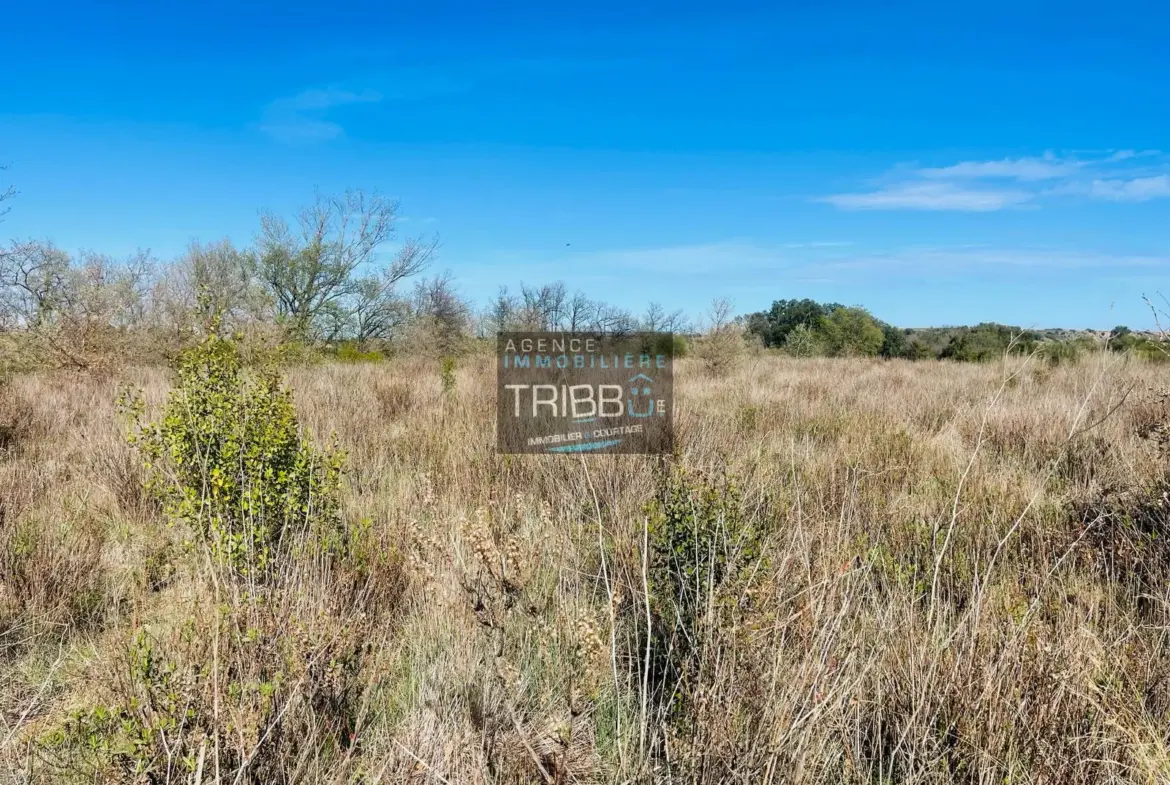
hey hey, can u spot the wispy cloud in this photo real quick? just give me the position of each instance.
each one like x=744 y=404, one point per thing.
x=1024 y=169
x=1137 y=190
x=301 y=117
x=930 y=196
x=985 y=186
x=752 y=264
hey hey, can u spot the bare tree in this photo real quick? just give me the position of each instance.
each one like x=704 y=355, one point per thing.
x=577 y=312
x=656 y=319
x=610 y=319
x=33 y=275
x=501 y=314
x=215 y=276
x=543 y=306
x=73 y=313
x=440 y=314
x=720 y=316
x=5 y=195
x=721 y=345
x=374 y=309
x=316 y=266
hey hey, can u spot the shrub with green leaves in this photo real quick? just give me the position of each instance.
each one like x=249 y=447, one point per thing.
x=703 y=551
x=353 y=352
x=228 y=458
x=447 y=374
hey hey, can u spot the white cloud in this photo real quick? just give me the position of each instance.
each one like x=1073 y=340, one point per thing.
x=321 y=99
x=1025 y=169
x=931 y=196
x=300 y=118
x=302 y=129
x=989 y=185
x=1140 y=189
x=925 y=260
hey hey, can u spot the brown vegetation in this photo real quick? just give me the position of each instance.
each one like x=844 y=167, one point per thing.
x=852 y=571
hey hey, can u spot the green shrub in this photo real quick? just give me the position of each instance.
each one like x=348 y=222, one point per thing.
x=988 y=341
x=447 y=374
x=851 y=332
x=1059 y=352
x=774 y=325
x=227 y=458
x=702 y=550
x=352 y=352
x=894 y=343
x=917 y=350
x=281 y=679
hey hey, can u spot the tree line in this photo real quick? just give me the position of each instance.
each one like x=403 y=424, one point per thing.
x=322 y=279
x=808 y=328
x=325 y=279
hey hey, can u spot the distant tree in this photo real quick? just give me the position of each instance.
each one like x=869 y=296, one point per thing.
x=851 y=332
x=656 y=319
x=803 y=341
x=772 y=326
x=721 y=345
x=33 y=280
x=75 y=313
x=894 y=343
x=610 y=319
x=543 y=307
x=577 y=312
x=440 y=316
x=499 y=315
x=917 y=350
x=6 y=193
x=311 y=272
x=550 y=307
x=988 y=341
x=216 y=277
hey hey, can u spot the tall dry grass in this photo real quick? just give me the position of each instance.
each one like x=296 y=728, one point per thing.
x=959 y=575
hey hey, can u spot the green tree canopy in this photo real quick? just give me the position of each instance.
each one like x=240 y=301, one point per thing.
x=774 y=325
x=852 y=332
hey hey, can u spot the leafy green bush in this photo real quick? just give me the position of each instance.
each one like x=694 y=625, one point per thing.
x=774 y=325
x=228 y=459
x=852 y=332
x=894 y=342
x=273 y=667
x=917 y=350
x=352 y=352
x=988 y=341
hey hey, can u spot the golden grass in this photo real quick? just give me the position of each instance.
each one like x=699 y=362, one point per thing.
x=944 y=594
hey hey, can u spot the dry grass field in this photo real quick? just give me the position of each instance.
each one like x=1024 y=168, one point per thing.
x=855 y=571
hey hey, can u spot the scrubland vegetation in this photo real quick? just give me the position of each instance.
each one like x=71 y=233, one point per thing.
x=852 y=570
x=253 y=528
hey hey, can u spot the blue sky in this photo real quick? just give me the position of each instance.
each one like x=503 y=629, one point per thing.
x=938 y=163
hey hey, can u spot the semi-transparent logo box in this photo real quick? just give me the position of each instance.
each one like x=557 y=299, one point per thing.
x=585 y=392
